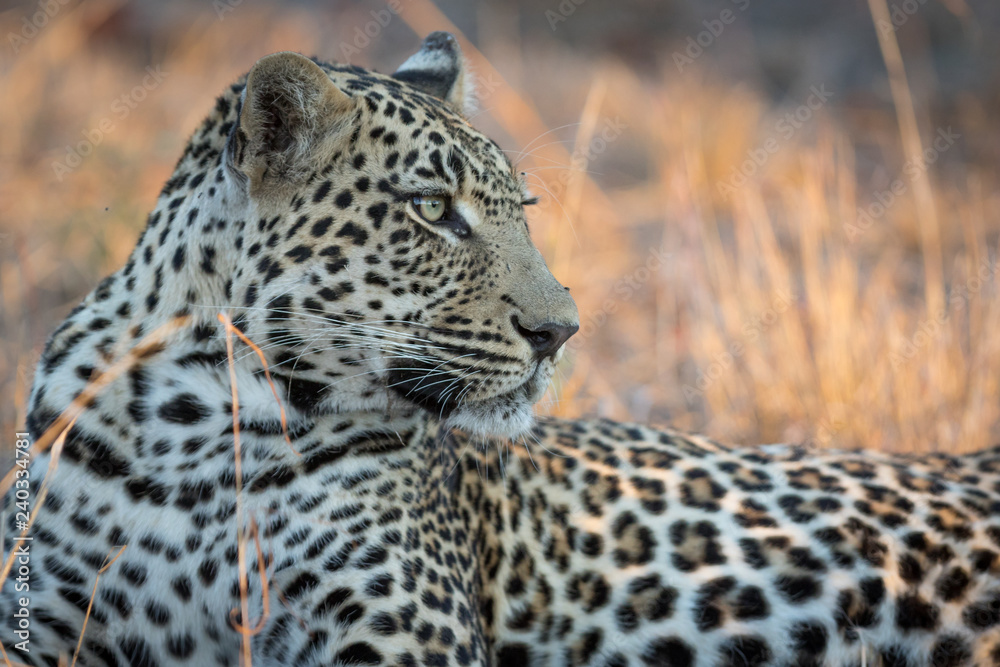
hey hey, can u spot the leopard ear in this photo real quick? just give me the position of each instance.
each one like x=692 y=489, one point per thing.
x=290 y=110
x=439 y=69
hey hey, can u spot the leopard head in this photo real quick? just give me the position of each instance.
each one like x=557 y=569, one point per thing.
x=386 y=259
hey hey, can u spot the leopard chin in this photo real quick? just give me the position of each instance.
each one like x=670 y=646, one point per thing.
x=508 y=416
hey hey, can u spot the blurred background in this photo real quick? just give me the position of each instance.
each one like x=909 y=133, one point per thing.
x=779 y=218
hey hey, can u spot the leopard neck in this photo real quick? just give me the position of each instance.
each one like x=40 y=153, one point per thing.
x=185 y=260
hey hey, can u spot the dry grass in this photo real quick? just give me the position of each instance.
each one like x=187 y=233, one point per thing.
x=768 y=314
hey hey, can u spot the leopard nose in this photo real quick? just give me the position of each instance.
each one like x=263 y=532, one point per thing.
x=546 y=338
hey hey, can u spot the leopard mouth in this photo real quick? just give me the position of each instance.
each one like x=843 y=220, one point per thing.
x=420 y=384
x=506 y=415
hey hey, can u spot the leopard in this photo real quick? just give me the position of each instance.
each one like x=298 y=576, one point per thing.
x=297 y=428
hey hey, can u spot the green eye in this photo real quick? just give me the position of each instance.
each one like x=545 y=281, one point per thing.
x=432 y=208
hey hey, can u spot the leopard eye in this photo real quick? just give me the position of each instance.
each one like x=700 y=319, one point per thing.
x=431 y=208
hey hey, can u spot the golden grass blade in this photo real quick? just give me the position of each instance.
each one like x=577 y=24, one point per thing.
x=241 y=537
x=926 y=211
x=149 y=345
x=267 y=374
x=40 y=498
x=265 y=593
x=7 y=661
x=54 y=437
x=90 y=603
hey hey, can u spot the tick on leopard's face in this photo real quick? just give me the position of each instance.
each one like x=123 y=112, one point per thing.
x=392 y=264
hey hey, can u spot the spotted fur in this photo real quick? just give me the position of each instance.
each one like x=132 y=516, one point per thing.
x=418 y=515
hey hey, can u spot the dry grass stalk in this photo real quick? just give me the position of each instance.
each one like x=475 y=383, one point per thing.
x=90 y=603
